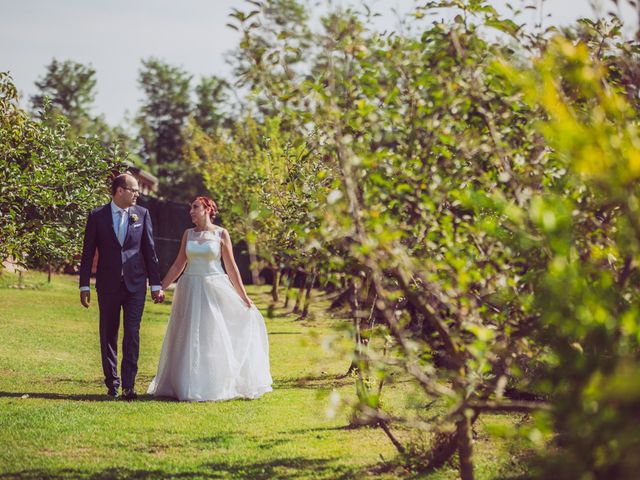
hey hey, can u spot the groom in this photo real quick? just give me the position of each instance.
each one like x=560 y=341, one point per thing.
x=122 y=233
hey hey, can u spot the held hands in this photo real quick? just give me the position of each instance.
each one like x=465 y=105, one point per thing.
x=158 y=296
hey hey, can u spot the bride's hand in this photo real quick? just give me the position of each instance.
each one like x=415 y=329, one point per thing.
x=247 y=301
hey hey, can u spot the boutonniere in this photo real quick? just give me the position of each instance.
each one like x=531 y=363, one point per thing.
x=133 y=218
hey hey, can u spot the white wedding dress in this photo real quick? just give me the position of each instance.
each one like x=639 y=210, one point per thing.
x=215 y=347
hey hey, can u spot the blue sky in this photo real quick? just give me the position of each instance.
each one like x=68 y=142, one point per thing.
x=113 y=36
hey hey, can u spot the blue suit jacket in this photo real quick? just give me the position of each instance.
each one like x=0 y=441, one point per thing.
x=135 y=261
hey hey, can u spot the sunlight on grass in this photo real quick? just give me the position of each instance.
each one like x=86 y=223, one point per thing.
x=57 y=422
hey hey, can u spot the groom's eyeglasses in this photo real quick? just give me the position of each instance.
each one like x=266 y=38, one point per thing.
x=132 y=190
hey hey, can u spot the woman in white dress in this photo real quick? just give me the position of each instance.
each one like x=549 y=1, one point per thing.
x=216 y=345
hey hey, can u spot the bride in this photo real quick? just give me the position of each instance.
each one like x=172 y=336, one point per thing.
x=216 y=346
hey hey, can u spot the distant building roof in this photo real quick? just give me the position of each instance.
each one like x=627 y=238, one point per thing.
x=148 y=183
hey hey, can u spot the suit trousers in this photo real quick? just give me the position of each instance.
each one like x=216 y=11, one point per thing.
x=110 y=304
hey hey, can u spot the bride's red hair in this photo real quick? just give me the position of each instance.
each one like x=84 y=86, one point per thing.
x=208 y=204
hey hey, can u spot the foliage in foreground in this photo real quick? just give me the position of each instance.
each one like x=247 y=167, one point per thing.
x=479 y=222
x=589 y=228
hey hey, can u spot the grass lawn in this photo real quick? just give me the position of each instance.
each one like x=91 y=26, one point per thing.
x=57 y=422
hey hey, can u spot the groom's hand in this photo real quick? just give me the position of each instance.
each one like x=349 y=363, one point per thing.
x=85 y=298
x=158 y=296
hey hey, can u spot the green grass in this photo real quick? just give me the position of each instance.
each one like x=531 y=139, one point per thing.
x=56 y=421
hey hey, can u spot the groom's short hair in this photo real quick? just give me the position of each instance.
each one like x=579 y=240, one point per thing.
x=119 y=181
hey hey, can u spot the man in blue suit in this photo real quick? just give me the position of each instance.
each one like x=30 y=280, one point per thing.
x=122 y=233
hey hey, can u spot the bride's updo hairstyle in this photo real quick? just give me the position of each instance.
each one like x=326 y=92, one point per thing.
x=208 y=204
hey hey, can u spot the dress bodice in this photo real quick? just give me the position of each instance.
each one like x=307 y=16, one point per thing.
x=203 y=252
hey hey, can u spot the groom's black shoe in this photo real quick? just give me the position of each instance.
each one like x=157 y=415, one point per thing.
x=113 y=393
x=129 y=394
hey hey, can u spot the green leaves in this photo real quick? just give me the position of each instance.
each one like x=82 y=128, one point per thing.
x=68 y=88
x=49 y=181
x=480 y=206
x=585 y=222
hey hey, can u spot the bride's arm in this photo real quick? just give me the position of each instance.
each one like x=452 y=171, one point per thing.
x=232 y=268
x=178 y=264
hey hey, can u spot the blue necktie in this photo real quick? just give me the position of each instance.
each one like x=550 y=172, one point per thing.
x=122 y=227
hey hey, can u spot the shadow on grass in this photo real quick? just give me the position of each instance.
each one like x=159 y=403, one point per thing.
x=285 y=468
x=282 y=468
x=58 y=396
x=78 y=397
x=321 y=382
x=92 y=397
x=276 y=314
x=322 y=429
x=221 y=440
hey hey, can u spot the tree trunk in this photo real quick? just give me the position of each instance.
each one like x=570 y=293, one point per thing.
x=48 y=273
x=276 y=282
x=342 y=298
x=465 y=447
x=445 y=446
x=296 y=307
x=288 y=281
x=253 y=263
x=307 y=297
x=353 y=301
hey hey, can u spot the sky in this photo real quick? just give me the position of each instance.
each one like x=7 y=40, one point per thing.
x=114 y=36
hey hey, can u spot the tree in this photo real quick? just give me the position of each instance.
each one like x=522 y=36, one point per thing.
x=49 y=179
x=233 y=178
x=69 y=87
x=271 y=56
x=482 y=217
x=211 y=94
x=68 y=90
x=587 y=293
x=271 y=60
x=162 y=119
